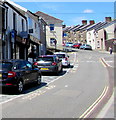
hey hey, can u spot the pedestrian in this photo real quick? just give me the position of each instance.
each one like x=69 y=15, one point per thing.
x=110 y=49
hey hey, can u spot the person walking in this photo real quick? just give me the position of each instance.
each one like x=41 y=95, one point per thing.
x=110 y=49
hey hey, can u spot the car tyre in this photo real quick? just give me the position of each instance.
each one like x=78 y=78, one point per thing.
x=39 y=79
x=20 y=86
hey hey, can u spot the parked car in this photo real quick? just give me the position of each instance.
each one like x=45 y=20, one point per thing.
x=68 y=44
x=77 y=45
x=86 y=47
x=49 y=63
x=64 y=57
x=17 y=73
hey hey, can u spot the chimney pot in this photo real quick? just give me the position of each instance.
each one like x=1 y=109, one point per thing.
x=84 y=22
x=92 y=22
x=108 y=19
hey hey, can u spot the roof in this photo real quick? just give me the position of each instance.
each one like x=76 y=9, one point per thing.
x=47 y=17
x=106 y=24
x=94 y=26
x=47 y=55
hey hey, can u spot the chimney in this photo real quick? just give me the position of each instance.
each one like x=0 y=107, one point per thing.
x=108 y=19
x=84 y=22
x=91 y=22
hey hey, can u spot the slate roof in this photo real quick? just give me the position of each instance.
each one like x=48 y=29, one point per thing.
x=47 y=17
x=106 y=25
x=94 y=26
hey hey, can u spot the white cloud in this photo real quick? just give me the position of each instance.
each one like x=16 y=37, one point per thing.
x=88 y=11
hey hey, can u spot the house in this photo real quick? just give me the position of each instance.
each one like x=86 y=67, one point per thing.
x=54 y=30
x=14 y=42
x=110 y=35
x=91 y=35
x=24 y=33
x=2 y=27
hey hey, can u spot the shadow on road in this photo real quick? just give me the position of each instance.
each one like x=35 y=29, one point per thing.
x=27 y=88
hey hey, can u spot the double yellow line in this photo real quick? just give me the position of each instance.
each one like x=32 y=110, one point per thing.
x=93 y=106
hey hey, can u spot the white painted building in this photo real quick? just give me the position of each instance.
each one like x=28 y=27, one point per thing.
x=16 y=23
x=53 y=30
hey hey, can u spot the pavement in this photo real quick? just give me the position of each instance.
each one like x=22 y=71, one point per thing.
x=108 y=110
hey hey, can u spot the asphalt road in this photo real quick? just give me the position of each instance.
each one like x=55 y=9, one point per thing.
x=69 y=95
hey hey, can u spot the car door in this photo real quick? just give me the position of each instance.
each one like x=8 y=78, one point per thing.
x=33 y=71
x=25 y=71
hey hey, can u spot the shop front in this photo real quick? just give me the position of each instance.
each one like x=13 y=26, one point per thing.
x=21 y=47
x=35 y=48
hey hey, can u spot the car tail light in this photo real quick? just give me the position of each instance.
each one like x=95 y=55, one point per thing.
x=54 y=63
x=11 y=74
x=35 y=63
x=8 y=84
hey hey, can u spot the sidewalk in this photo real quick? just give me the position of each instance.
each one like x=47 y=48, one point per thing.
x=108 y=110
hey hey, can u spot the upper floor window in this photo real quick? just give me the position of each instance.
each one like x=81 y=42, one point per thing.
x=22 y=25
x=30 y=22
x=51 y=27
x=14 y=21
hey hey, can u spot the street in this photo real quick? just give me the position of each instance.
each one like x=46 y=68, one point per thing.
x=71 y=94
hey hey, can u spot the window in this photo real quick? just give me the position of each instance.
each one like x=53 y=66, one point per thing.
x=30 y=22
x=14 y=21
x=22 y=25
x=52 y=41
x=28 y=64
x=51 y=27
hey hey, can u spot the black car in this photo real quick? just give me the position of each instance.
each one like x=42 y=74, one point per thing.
x=17 y=73
x=49 y=63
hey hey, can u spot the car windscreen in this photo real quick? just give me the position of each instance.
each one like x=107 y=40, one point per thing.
x=88 y=45
x=5 y=65
x=45 y=59
x=61 y=55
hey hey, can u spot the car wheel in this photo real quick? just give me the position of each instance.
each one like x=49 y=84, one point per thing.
x=39 y=79
x=69 y=65
x=20 y=86
x=61 y=69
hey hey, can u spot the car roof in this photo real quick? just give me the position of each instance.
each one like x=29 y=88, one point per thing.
x=11 y=60
x=47 y=56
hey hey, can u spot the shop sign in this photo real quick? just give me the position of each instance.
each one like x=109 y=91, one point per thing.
x=34 y=39
x=21 y=40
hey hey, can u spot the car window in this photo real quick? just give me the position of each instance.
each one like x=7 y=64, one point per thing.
x=28 y=64
x=6 y=65
x=61 y=55
x=17 y=65
x=45 y=59
x=22 y=65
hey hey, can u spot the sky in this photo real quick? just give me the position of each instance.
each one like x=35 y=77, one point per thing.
x=72 y=13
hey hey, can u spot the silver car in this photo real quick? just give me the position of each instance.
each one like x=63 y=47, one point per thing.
x=64 y=57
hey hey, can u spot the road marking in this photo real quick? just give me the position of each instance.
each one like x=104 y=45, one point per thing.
x=92 y=107
x=105 y=64
x=102 y=62
x=10 y=99
x=66 y=86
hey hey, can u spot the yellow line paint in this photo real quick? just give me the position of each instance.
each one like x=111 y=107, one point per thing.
x=92 y=107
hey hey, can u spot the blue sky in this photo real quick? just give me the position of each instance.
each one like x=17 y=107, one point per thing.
x=72 y=13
